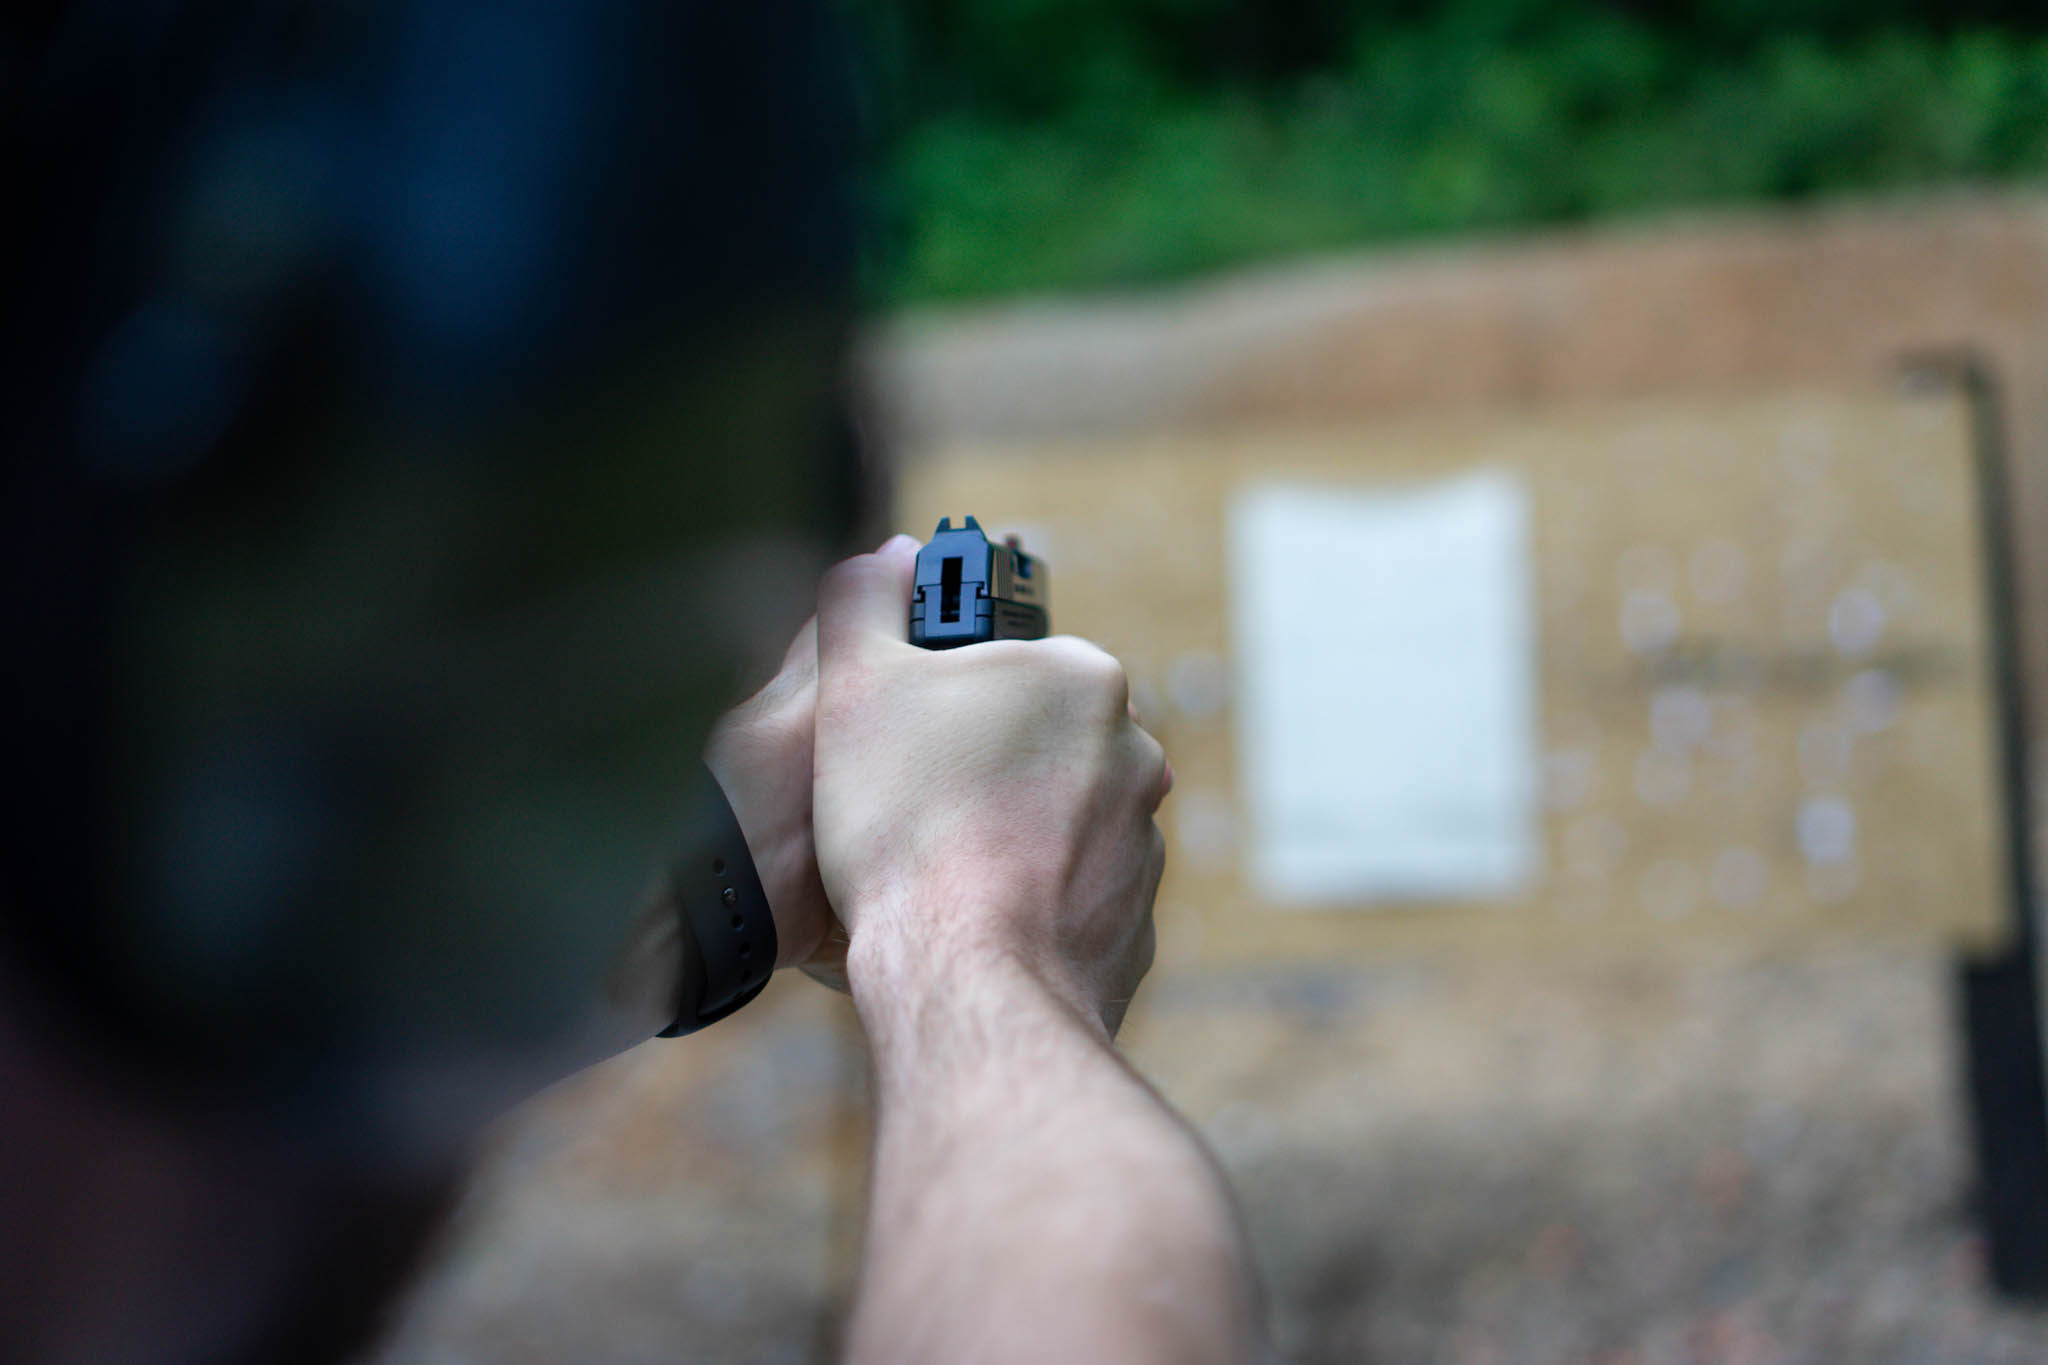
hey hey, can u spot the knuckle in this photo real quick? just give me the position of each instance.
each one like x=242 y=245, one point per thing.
x=844 y=576
x=835 y=588
x=1078 y=654
x=1149 y=746
x=1149 y=760
x=1097 y=670
x=840 y=572
x=852 y=571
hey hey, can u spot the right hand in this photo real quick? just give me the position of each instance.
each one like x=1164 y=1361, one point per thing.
x=989 y=802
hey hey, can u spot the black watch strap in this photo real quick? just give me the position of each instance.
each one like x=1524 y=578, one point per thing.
x=728 y=933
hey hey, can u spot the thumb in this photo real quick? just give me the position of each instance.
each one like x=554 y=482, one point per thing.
x=867 y=598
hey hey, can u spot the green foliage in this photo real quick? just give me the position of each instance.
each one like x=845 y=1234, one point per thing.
x=1124 y=141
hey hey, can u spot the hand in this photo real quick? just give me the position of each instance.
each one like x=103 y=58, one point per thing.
x=988 y=803
x=760 y=752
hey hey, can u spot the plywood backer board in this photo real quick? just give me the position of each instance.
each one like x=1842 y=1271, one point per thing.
x=1761 y=657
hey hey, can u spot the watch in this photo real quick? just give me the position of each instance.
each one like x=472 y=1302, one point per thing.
x=728 y=934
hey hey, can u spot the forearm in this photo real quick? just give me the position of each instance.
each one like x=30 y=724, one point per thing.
x=1033 y=1199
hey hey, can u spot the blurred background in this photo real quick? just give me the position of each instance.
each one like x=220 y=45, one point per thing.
x=1706 y=344
x=1031 y=145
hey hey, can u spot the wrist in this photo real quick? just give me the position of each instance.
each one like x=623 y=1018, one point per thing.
x=789 y=877
x=777 y=826
x=921 y=981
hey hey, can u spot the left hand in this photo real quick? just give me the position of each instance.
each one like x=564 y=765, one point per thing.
x=760 y=752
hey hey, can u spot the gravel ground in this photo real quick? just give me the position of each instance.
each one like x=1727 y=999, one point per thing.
x=1728 y=1161
x=1724 y=1162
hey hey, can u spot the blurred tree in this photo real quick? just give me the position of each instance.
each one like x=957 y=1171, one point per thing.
x=1032 y=144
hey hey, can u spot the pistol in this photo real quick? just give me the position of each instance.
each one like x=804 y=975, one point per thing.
x=969 y=590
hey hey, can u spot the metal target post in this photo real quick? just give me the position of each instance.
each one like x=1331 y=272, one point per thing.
x=2000 y=995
